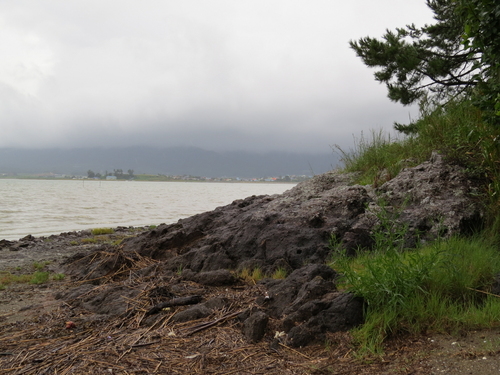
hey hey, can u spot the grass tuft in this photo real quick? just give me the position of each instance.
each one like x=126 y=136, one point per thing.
x=455 y=130
x=39 y=277
x=252 y=276
x=279 y=274
x=440 y=287
x=443 y=286
x=98 y=231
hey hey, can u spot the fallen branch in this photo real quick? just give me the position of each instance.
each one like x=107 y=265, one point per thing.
x=181 y=301
x=202 y=326
x=145 y=344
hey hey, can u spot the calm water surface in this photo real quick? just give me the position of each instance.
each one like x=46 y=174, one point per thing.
x=44 y=207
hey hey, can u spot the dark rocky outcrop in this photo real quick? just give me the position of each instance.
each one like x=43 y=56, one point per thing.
x=211 y=278
x=292 y=231
x=304 y=284
x=287 y=230
x=255 y=326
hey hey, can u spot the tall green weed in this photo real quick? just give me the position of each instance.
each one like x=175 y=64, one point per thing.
x=456 y=130
x=379 y=157
x=438 y=287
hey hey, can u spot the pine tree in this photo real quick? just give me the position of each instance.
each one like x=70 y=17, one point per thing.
x=456 y=57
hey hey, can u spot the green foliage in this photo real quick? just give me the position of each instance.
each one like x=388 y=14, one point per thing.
x=252 y=276
x=39 y=277
x=257 y=274
x=455 y=130
x=379 y=158
x=89 y=240
x=180 y=268
x=58 y=276
x=482 y=28
x=416 y=62
x=40 y=265
x=279 y=274
x=458 y=132
x=442 y=286
x=98 y=231
x=436 y=287
x=456 y=57
x=7 y=278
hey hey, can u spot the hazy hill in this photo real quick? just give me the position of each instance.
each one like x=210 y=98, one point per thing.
x=170 y=161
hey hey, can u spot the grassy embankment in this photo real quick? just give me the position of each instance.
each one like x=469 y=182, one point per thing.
x=439 y=287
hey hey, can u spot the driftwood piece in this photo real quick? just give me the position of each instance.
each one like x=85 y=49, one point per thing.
x=180 y=301
x=202 y=326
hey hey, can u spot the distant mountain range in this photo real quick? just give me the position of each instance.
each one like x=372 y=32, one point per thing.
x=169 y=161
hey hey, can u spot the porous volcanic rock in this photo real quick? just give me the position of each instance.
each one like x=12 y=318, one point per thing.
x=294 y=231
x=288 y=230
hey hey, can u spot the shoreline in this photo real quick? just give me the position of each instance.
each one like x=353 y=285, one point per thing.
x=154 y=178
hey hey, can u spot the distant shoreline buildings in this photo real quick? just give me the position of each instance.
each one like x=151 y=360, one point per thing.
x=159 y=178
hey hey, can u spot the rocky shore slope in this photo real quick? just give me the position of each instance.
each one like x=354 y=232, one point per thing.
x=185 y=278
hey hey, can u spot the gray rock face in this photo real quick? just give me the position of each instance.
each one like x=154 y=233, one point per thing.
x=436 y=199
x=288 y=230
x=292 y=231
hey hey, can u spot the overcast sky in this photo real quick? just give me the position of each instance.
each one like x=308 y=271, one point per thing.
x=256 y=75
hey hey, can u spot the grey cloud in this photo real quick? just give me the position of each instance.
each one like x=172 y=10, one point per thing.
x=223 y=75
